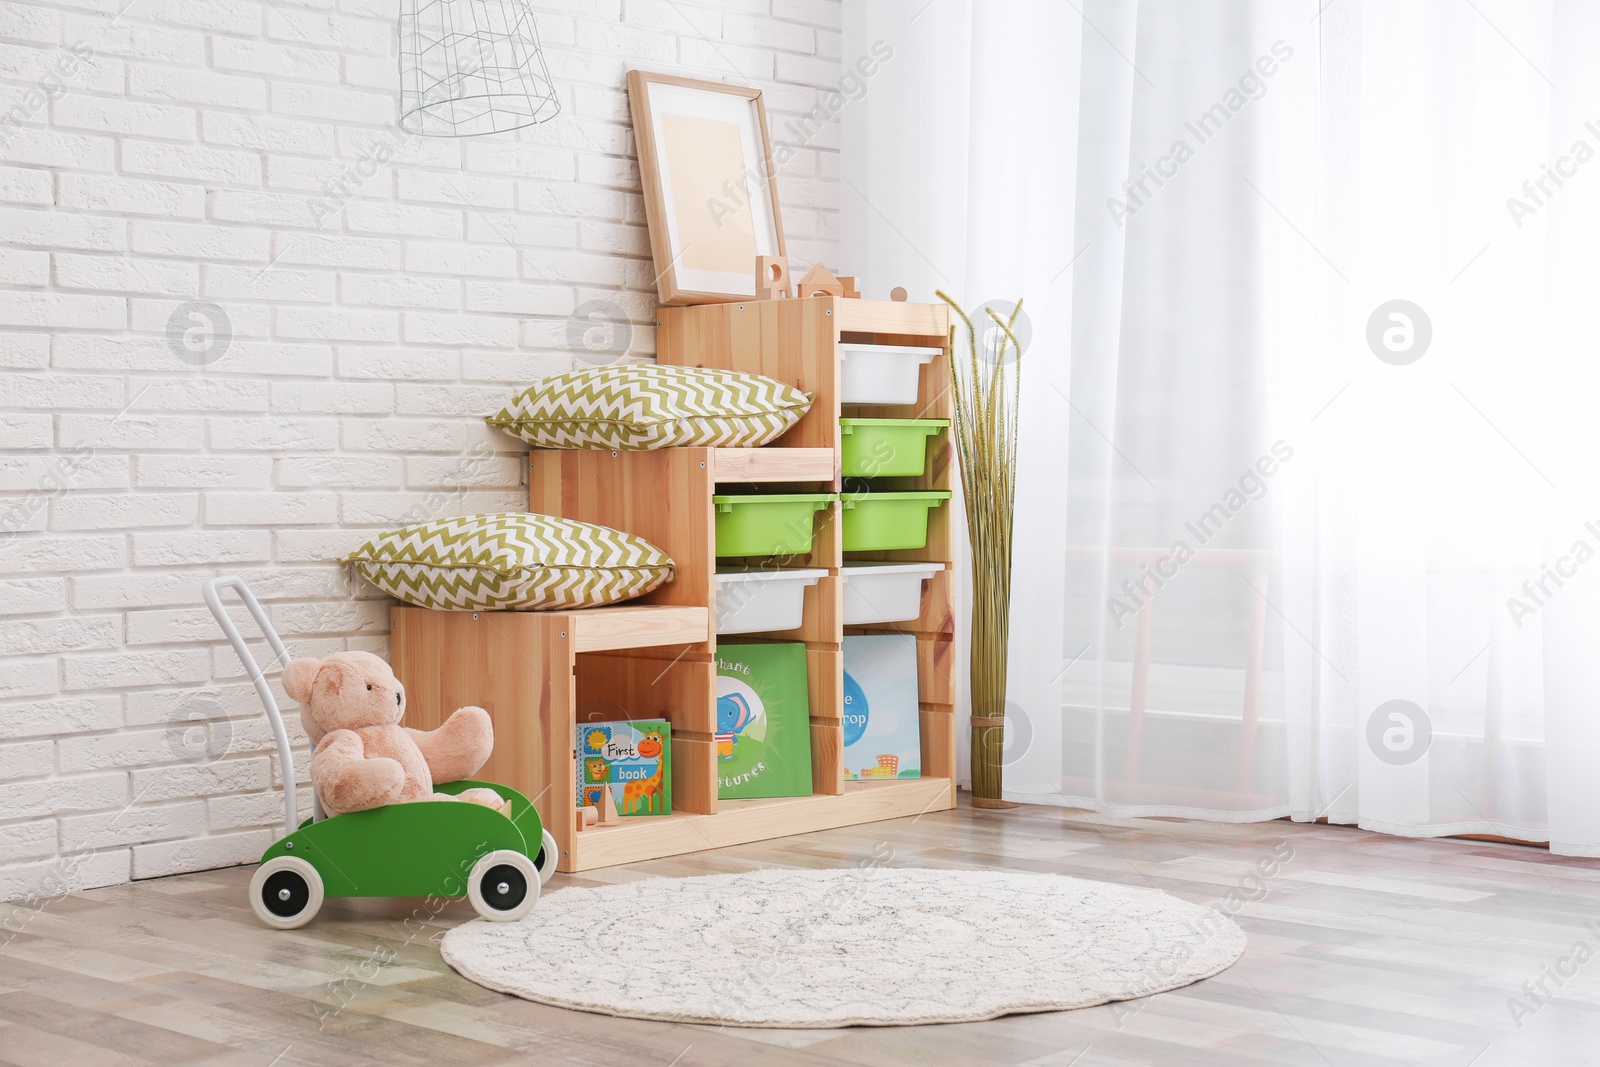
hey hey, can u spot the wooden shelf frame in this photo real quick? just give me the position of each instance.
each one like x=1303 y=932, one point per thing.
x=798 y=341
x=772 y=465
x=540 y=674
x=741 y=821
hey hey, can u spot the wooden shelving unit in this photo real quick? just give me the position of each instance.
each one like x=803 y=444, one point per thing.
x=540 y=674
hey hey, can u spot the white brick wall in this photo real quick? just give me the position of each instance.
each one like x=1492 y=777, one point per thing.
x=226 y=151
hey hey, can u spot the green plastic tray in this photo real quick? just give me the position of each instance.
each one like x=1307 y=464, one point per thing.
x=886 y=448
x=767 y=524
x=878 y=522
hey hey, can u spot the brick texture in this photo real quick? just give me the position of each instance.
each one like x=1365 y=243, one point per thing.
x=246 y=321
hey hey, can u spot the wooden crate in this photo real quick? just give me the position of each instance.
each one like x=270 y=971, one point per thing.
x=540 y=674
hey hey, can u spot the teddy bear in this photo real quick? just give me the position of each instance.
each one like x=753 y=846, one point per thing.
x=364 y=758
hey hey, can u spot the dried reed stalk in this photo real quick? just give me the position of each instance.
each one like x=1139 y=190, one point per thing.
x=987 y=397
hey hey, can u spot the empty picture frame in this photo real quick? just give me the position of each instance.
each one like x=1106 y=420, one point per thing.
x=710 y=194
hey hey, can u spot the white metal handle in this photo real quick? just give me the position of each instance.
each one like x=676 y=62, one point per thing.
x=213 y=596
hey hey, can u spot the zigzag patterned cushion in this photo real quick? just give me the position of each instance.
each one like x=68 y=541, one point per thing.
x=642 y=406
x=510 y=562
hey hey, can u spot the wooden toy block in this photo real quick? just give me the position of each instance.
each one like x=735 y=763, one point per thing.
x=819 y=281
x=588 y=815
x=849 y=283
x=898 y=293
x=607 y=809
x=772 y=277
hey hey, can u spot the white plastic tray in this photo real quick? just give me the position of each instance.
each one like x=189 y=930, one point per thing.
x=884 y=592
x=757 y=599
x=882 y=374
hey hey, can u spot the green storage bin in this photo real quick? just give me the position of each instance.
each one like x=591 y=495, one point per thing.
x=877 y=522
x=767 y=524
x=886 y=448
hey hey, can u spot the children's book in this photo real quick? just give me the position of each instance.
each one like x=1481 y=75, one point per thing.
x=632 y=759
x=763 y=721
x=882 y=727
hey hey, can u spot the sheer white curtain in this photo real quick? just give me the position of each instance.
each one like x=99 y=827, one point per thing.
x=1308 y=476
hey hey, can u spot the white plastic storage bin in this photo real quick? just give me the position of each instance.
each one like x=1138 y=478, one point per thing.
x=884 y=592
x=882 y=374
x=755 y=600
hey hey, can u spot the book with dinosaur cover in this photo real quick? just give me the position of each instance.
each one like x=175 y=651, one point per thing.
x=632 y=759
x=763 y=721
x=882 y=725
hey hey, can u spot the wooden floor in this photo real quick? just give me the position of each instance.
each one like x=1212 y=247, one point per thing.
x=1364 y=949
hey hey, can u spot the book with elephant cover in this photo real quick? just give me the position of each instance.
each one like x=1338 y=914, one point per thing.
x=763 y=721
x=633 y=759
x=882 y=720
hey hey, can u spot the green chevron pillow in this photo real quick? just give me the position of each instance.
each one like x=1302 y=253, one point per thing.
x=510 y=562
x=643 y=406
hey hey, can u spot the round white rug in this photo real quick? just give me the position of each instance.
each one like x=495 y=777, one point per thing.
x=876 y=947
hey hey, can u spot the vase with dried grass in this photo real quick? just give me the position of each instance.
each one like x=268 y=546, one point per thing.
x=987 y=388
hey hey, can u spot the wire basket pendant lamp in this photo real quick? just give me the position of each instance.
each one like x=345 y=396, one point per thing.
x=471 y=67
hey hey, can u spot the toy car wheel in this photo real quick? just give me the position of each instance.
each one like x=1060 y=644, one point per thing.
x=286 y=892
x=545 y=861
x=503 y=886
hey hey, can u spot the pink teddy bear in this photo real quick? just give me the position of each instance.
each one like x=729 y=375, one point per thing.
x=364 y=758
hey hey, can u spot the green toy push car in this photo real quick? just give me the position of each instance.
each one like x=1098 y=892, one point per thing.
x=423 y=848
